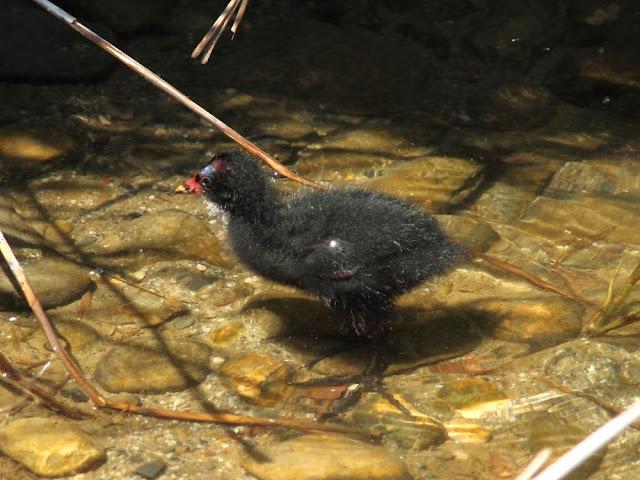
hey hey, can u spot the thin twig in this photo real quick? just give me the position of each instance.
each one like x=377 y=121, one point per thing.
x=34 y=303
x=12 y=375
x=529 y=277
x=611 y=409
x=99 y=401
x=173 y=92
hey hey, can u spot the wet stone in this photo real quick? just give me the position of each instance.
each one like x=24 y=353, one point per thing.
x=25 y=149
x=564 y=220
x=334 y=166
x=149 y=366
x=553 y=431
x=326 y=457
x=75 y=395
x=117 y=303
x=17 y=231
x=169 y=234
x=77 y=335
x=418 y=336
x=258 y=377
x=163 y=157
x=472 y=397
x=56 y=281
x=151 y=470
x=468 y=232
x=619 y=179
x=66 y=195
x=277 y=312
x=226 y=333
x=49 y=447
x=432 y=182
x=10 y=396
x=566 y=366
x=397 y=137
x=224 y=292
x=538 y=321
x=378 y=416
x=502 y=203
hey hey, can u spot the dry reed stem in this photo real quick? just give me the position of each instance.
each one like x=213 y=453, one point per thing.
x=209 y=41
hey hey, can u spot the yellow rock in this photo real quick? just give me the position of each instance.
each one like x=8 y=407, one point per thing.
x=258 y=377
x=327 y=457
x=49 y=447
x=19 y=144
x=432 y=182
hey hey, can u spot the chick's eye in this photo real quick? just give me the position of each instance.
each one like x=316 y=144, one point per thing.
x=204 y=180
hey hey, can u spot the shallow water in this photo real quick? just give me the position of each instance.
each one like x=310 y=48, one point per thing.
x=518 y=160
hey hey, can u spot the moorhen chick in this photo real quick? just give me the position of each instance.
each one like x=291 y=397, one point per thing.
x=355 y=249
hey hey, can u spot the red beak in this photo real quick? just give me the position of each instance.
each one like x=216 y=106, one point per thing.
x=191 y=186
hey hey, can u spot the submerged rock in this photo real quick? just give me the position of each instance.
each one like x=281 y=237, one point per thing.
x=603 y=177
x=377 y=415
x=432 y=182
x=473 y=397
x=326 y=457
x=16 y=230
x=169 y=234
x=27 y=148
x=49 y=447
x=117 y=303
x=552 y=431
x=540 y=321
x=258 y=377
x=152 y=366
x=56 y=281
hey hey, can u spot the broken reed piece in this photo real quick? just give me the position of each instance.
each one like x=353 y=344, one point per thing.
x=10 y=374
x=173 y=92
x=209 y=41
x=529 y=277
x=99 y=401
x=604 y=319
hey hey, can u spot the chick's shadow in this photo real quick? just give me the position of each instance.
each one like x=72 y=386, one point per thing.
x=416 y=336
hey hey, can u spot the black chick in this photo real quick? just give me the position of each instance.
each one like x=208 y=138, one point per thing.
x=355 y=249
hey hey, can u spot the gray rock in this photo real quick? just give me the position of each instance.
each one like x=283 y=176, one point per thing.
x=55 y=280
x=151 y=470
